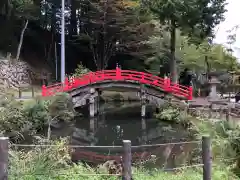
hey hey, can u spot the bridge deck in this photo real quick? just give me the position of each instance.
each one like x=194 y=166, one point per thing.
x=121 y=77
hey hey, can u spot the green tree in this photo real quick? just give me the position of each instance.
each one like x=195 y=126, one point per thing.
x=196 y=18
x=113 y=26
x=189 y=55
x=18 y=13
x=25 y=10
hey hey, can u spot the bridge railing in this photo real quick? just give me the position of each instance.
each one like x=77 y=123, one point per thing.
x=181 y=90
x=119 y=75
x=52 y=89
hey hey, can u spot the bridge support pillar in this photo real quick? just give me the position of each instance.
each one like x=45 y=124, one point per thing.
x=92 y=103
x=143 y=114
x=97 y=102
x=93 y=108
x=143 y=102
x=144 y=130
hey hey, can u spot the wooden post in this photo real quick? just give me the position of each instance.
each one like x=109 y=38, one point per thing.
x=210 y=111
x=206 y=157
x=19 y=92
x=127 y=160
x=4 y=158
x=221 y=113
x=32 y=91
x=228 y=113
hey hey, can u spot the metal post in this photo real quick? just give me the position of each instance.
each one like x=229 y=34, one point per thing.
x=63 y=43
x=4 y=158
x=127 y=160
x=206 y=157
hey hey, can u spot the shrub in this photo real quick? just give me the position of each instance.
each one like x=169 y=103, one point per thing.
x=18 y=117
x=80 y=70
x=173 y=114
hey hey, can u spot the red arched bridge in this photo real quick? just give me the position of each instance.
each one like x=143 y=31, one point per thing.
x=162 y=84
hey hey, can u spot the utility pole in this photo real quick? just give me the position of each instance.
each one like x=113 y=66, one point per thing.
x=63 y=43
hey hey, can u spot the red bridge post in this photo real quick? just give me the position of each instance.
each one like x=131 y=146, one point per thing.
x=66 y=84
x=190 y=91
x=167 y=84
x=44 y=89
x=118 y=73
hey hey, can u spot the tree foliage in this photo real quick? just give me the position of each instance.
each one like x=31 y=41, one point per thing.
x=111 y=27
x=191 y=56
x=196 y=18
x=124 y=31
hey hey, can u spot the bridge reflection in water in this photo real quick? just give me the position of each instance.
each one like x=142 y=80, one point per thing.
x=124 y=122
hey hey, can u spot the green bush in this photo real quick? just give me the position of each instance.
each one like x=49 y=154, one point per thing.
x=173 y=114
x=225 y=141
x=169 y=114
x=225 y=137
x=21 y=117
x=80 y=70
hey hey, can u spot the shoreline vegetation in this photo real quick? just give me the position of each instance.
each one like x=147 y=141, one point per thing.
x=55 y=162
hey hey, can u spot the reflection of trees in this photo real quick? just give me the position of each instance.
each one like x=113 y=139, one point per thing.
x=83 y=137
x=113 y=131
x=110 y=135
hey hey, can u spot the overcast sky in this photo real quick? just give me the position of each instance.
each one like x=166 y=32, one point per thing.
x=232 y=19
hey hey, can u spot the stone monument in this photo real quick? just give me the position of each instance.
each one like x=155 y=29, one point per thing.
x=213 y=88
x=213 y=83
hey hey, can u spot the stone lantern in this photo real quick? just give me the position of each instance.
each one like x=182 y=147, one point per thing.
x=213 y=88
x=213 y=83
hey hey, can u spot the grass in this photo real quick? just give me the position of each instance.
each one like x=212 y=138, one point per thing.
x=26 y=92
x=42 y=170
x=54 y=163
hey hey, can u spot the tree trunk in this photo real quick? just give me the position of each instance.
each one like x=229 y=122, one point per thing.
x=21 y=40
x=208 y=66
x=173 y=63
x=73 y=21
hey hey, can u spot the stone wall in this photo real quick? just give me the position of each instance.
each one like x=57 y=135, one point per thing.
x=14 y=74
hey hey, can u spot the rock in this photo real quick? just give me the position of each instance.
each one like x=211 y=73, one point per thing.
x=111 y=167
x=14 y=74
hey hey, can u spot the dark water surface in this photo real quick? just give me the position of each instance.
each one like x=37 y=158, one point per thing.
x=122 y=121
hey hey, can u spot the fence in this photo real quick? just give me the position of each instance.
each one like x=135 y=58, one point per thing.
x=127 y=162
x=22 y=89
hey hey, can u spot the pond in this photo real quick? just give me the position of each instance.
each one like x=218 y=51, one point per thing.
x=122 y=121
